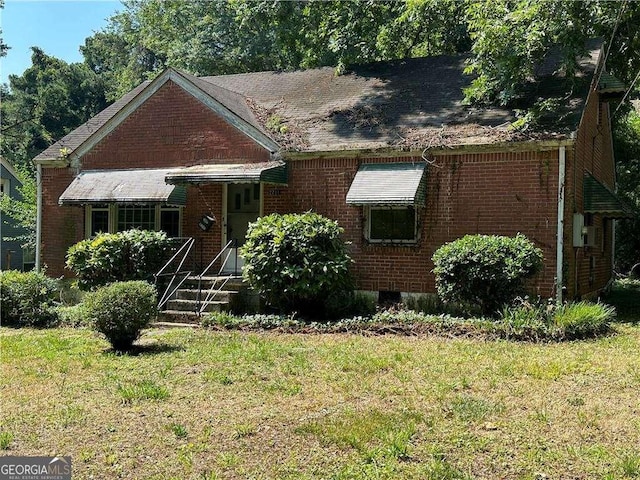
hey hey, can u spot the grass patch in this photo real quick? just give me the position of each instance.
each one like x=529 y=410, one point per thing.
x=5 y=440
x=272 y=405
x=141 y=390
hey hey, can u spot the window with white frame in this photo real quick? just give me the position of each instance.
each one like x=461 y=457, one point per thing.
x=396 y=224
x=116 y=218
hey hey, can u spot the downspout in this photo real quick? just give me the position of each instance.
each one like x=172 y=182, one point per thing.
x=38 y=214
x=560 y=232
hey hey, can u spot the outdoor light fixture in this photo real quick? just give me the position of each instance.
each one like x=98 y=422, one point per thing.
x=206 y=222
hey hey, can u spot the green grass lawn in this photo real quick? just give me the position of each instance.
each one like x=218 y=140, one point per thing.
x=205 y=405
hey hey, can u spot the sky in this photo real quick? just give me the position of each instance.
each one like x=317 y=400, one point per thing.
x=57 y=27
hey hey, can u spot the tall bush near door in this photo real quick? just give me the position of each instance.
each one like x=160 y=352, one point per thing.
x=487 y=271
x=297 y=262
x=110 y=257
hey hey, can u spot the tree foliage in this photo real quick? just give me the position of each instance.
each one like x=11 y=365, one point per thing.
x=22 y=210
x=210 y=38
x=627 y=150
x=46 y=102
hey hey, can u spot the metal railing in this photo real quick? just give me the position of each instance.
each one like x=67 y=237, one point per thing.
x=212 y=292
x=178 y=275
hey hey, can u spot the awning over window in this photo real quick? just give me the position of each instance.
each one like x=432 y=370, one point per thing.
x=268 y=172
x=388 y=184
x=123 y=186
x=598 y=198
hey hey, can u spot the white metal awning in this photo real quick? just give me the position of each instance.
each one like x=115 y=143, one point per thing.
x=269 y=172
x=388 y=184
x=123 y=186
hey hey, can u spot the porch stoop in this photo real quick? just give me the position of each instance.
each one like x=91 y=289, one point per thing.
x=182 y=308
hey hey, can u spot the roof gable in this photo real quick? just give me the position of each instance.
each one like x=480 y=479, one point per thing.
x=229 y=105
x=8 y=167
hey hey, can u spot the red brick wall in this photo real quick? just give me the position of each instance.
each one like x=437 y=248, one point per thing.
x=502 y=193
x=171 y=128
x=201 y=200
x=589 y=269
x=61 y=226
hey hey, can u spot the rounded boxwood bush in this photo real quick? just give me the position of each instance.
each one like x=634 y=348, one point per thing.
x=485 y=271
x=28 y=299
x=113 y=257
x=121 y=310
x=297 y=262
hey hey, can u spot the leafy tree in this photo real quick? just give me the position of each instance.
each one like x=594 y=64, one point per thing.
x=3 y=46
x=46 y=102
x=208 y=38
x=22 y=210
x=627 y=146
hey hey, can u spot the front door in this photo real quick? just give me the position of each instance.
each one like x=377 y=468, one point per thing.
x=243 y=207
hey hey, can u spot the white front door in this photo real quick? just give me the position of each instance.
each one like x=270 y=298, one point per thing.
x=243 y=205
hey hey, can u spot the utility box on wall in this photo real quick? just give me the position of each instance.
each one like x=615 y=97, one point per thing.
x=583 y=236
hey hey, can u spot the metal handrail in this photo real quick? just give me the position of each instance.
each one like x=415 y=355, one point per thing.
x=172 y=288
x=211 y=293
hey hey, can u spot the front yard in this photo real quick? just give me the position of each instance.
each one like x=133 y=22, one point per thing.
x=205 y=405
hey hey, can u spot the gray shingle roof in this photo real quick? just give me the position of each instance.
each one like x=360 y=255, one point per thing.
x=413 y=103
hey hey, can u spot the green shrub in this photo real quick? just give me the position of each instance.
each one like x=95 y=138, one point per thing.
x=72 y=315
x=349 y=304
x=486 y=271
x=28 y=299
x=113 y=257
x=121 y=310
x=297 y=261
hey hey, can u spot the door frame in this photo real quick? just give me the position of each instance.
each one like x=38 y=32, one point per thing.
x=225 y=204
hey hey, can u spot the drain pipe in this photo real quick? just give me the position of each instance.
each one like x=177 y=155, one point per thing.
x=38 y=214
x=560 y=232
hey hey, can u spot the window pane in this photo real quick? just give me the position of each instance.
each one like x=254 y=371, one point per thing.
x=136 y=216
x=170 y=222
x=393 y=224
x=99 y=222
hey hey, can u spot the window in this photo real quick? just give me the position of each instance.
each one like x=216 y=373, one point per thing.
x=170 y=221
x=117 y=218
x=4 y=186
x=136 y=216
x=392 y=224
x=99 y=222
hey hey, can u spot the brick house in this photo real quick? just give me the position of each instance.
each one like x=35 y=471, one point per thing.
x=389 y=150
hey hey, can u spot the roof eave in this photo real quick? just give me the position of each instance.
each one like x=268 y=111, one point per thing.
x=402 y=151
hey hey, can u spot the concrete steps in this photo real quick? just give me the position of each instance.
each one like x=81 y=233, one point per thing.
x=225 y=293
